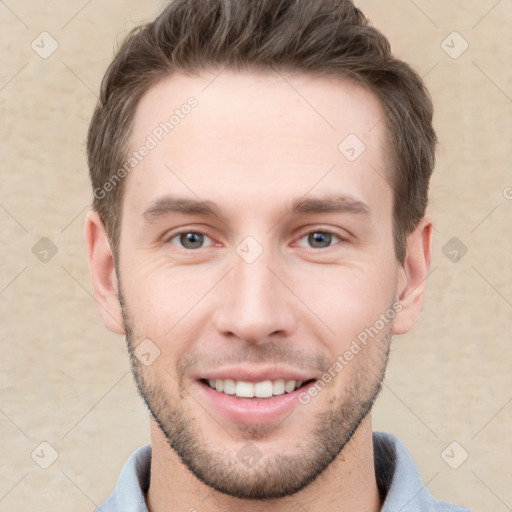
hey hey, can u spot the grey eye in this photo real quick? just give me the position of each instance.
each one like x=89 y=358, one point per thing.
x=190 y=240
x=318 y=240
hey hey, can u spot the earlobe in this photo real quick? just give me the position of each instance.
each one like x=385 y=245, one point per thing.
x=412 y=278
x=103 y=273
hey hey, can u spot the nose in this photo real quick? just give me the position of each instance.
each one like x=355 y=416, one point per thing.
x=256 y=306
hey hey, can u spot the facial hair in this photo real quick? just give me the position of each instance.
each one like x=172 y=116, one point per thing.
x=275 y=475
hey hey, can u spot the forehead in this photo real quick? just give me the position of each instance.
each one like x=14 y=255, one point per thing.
x=256 y=135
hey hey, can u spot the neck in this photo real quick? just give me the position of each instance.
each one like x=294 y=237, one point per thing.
x=347 y=484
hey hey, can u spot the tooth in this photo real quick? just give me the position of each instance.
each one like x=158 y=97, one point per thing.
x=244 y=389
x=229 y=387
x=263 y=389
x=278 y=387
x=289 y=386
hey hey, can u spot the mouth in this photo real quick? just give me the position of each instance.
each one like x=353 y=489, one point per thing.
x=263 y=389
x=252 y=401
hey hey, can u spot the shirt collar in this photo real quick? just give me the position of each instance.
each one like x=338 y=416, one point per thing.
x=398 y=479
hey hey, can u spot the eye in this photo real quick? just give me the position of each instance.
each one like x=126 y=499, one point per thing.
x=319 y=240
x=191 y=240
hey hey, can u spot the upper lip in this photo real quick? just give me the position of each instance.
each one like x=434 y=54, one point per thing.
x=256 y=374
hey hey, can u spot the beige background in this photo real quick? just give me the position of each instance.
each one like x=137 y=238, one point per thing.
x=64 y=379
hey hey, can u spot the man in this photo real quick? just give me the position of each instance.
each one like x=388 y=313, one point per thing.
x=260 y=173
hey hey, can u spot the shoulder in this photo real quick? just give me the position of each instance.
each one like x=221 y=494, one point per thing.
x=399 y=480
x=132 y=485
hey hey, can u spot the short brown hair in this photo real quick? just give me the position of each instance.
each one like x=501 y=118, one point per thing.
x=321 y=37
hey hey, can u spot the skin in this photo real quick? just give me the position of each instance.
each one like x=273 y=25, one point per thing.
x=252 y=147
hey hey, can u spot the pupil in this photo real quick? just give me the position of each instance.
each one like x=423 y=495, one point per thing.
x=192 y=240
x=320 y=239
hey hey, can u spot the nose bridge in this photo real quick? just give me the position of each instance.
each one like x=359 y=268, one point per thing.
x=252 y=284
x=255 y=305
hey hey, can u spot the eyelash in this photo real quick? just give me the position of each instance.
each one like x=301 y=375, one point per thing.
x=179 y=235
x=322 y=231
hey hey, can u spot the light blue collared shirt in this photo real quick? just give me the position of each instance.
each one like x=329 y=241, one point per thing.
x=398 y=478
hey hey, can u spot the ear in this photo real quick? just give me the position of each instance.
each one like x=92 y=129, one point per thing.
x=412 y=277
x=103 y=273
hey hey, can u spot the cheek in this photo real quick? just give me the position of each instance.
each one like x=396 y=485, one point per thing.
x=162 y=298
x=346 y=298
x=175 y=303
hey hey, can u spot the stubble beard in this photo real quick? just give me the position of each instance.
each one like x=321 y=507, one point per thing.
x=274 y=475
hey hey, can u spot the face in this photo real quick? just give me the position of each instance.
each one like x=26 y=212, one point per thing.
x=255 y=253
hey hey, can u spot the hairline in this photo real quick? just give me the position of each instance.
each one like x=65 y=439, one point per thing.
x=390 y=156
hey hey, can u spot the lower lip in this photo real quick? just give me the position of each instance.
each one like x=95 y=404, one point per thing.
x=251 y=411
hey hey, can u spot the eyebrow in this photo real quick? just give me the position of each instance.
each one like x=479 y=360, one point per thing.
x=167 y=205
x=300 y=206
x=336 y=204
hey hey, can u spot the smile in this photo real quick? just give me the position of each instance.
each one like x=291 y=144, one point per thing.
x=252 y=402
x=262 y=389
